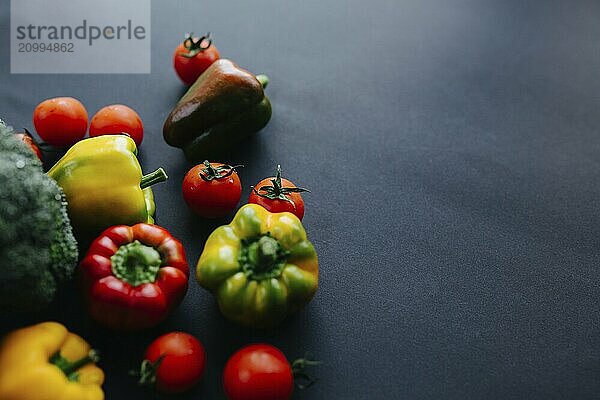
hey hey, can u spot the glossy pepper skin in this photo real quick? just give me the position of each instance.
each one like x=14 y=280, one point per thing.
x=260 y=267
x=225 y=105
x=134 y=276
x=102 y=180
x=47 y=362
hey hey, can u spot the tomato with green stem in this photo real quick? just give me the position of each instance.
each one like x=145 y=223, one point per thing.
x=193 y=57
x=173 y=363
x=61 y=121
x=278 y=194
x=262 y=372
x=212 y=190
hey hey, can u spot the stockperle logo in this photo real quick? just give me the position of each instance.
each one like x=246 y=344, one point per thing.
x=83 y=36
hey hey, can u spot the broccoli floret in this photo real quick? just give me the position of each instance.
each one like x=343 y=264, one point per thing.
x=38 y=252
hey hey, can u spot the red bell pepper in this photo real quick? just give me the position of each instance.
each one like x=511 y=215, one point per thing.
x=134 y=276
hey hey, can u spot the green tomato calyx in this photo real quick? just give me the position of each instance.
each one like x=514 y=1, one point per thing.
x=276 y=191
x=223 y=171
x=195 y=46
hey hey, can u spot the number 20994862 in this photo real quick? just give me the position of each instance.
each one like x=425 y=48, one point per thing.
x=34 y=47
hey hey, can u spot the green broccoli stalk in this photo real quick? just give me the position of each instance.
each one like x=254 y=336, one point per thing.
x=38 y=252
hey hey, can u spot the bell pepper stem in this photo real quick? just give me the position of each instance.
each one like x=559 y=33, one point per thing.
x=263 y=79
x=136 y=263
x=69 y=368
x=262 y=257
x=266 y=252
x=153 y=177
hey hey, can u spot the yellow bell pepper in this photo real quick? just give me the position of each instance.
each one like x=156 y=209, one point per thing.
x=103 y=182
x=47 y=362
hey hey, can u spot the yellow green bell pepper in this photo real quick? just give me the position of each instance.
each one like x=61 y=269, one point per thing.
x=260 y=267
x=102 y=180
x=47 y=362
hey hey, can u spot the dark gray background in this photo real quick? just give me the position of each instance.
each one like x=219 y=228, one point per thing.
x=452 y=149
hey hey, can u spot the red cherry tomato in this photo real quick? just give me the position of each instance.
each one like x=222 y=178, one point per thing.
x=193 y=57
x=258 y=372
x=277 y=194
x=61 y=121
x=212 y=190
x=26 y=138
x=180 y=358
x=115 y=119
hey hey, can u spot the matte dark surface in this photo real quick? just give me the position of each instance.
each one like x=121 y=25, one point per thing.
x=452 y=149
